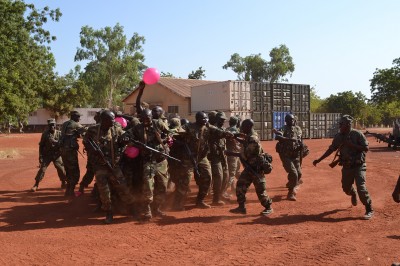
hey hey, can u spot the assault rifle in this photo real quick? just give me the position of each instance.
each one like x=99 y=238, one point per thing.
x=140 y=144
x=196 y=171
x=94 y=147
x=379 y=137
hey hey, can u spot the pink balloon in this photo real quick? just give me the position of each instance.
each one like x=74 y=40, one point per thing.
x=132 y=152
x=151 y=76
x=122 y=121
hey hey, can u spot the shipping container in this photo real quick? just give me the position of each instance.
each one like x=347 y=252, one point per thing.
x=324 y=125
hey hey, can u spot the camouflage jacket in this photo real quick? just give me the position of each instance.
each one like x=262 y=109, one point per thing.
x=252 y=149
x=197 y=138
x=217 y=146
x=109 y=142
x=350 y=157
x=48 y=145
x=232 y=144
x=70 y=132
x=289 y=148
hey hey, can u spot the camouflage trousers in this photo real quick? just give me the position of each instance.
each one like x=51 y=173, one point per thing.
x=233 y=170
x=58 y=164
x=246 y=178
x=155 y=181
x=220 y=177
x=293 y=169
x=71 y=165
x=203 y=182
x=105 y=179
x=356 y=174
x=89 y=175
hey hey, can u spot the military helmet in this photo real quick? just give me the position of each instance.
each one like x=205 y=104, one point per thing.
x=51 y=121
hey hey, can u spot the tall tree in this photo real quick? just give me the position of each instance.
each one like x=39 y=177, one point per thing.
x=255 y=68
x=315 y=101
x=26 y=63
x=385 y=84
x=198 y=74
x=115 y=63
x=68 y=92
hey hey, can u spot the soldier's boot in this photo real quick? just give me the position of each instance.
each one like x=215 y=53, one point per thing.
x=109 y=217
x=354 y=200
x=156 y=212
x=202 y=205
x=81 y=188
x=217 y=200
x=292 y=195
x=35 y=186
x=179 y=204
x=267 y=210
x=241 y=209
x=146 y=215
x=67 y=190
x=369 y=212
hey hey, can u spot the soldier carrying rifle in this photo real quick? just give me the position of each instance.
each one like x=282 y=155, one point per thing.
x=352 y=146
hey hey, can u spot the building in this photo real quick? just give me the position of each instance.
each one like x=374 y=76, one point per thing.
x=172 y=94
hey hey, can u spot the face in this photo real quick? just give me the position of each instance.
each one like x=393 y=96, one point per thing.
x=344 y=127
x=201 y=119
x=107 y=120
x=76 y=118
x=289 y=120
x=220 y=122
x=157 y=112
x=52 y=128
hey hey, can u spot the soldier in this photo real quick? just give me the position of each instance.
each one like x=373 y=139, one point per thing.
x=71 y=130
x=106 y=136
x=218 y=161
x=233 y=161
x=352 y=147
x=253 y=171
x=289 y=149
x=155 y=165
x=195 y=140
x=49 y=151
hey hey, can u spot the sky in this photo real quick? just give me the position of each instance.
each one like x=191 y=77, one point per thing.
x=336 y=45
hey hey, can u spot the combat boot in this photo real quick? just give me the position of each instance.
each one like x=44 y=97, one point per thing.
x=109 y=217
x=202 y=205
x=156 y=212
x=81 y=188
x=266 y=211
x=146 y=215
x=241 y=209
x=369 y=212
x=291 y=195
x=217 y=201
x=35 y=187
x=354 y=200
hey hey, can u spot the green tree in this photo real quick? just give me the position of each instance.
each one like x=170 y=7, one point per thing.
x=346 y=102
x=385 y=84
x=198 y=74
x=68 y=92
x=255 y=68
x=115 y=63
x=26 y=63
x=315 y=101
x=167 y=75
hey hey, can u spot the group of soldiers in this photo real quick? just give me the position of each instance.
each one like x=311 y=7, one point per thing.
x=133 y=166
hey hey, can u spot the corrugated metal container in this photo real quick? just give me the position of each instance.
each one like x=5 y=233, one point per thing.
x=261 y=97
x=324 y=125
x=224 y=96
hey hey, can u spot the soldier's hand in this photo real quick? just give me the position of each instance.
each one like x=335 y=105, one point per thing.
x=315 y=162
x=141 y=85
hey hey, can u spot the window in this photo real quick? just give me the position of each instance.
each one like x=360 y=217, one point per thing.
x=173 y=109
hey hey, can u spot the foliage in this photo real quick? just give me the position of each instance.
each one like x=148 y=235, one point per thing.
x=115 y=63
x=167 y=75
x=346 y=102
x=255 y=68
x=26 y=63
x=68 y=92
x=385 y=84
x=315 y=101
x=198 y=74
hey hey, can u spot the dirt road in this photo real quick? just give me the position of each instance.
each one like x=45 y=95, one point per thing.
x=320 y=228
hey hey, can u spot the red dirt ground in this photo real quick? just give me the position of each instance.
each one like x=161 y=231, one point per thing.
x=321 y=228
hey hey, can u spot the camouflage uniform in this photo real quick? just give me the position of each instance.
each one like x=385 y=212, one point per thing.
x=233 y=162
x=353 y=164
x=196 y=138
x=251 y=152
x=289 y=153
x=109 y=143
x=70 y=131
x=49 y=151
x=155 y=166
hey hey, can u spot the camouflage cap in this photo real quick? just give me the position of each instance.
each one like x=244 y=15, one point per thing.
x=212 y=114
x=346 y=119
x=220 y=115
x=51 y=121
x=75 y=113
x=233 y=119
